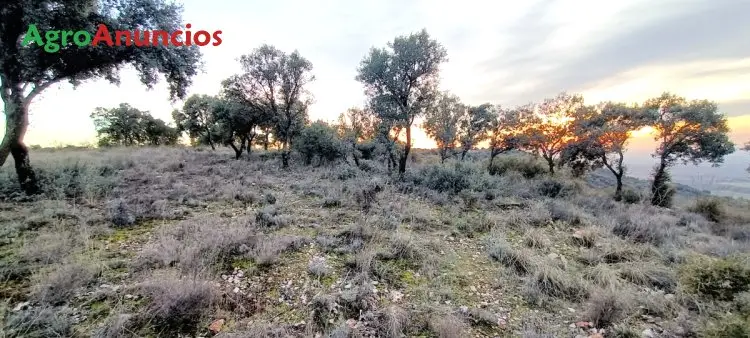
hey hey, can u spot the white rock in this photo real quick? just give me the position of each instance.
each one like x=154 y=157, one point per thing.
x=348 y=286
x=572 y=310
x=20 y=306
x=236 y=290
x=648 y=333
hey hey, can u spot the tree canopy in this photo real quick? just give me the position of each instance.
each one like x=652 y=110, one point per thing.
x=402 y=81
x=128 y=126
x=26 y=71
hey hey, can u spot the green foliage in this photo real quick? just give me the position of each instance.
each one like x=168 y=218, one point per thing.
x=449 y=178
x=401 y=81
x=528 y=166
x=711 y=208
x=319 y=140
x=630 y=196
x=474 y=125
x=442 y=123
x=690 y=132
x=275 y=82
x=662 y=192
x=717 y=278
x=728 y=326
x=197 y=120
x=129 y=126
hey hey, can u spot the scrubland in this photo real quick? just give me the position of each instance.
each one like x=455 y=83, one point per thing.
x=162 y=242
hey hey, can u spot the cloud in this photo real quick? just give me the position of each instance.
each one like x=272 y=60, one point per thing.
x=631 y=38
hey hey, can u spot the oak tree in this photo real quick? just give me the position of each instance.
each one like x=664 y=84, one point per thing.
x=404 y=76
x=26 y=71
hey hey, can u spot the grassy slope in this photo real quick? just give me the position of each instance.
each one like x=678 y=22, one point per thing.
x=154 y=242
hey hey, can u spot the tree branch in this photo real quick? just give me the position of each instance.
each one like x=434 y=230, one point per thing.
x=38 y=88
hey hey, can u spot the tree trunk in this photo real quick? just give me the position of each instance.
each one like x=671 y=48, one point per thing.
x=16 y=123
x=463 y=154
x=656 y=185
x=354 y=154
x=493 y=154
x=210 y=140
x=405 y=155
x=285 y=155
x=265 y=141
x=618 y=189
x=550 y=164
x=250 y=143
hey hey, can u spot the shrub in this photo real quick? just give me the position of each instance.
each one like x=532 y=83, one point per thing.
x=554 y=282
x=630 y=196
x=650 y=275
x=120 y=214
x=59 y=285
x=269 y=216
x=605 y=307
x=198 y=244
x=365 y=194
x=501 y=251
x=40 y=322
x=318 y=266
x=528 y=166
x=728 y=326
x=534 y=238
x=175 y=304
x=367 y=150
x=392 y=321
x=319 y=140
x=643 y=228
x=718 y=278
x=710 y=208
x=448 y=326
x=449 y=178
x=663 y=193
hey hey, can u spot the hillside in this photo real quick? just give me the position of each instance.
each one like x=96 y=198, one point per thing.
x=161 y=242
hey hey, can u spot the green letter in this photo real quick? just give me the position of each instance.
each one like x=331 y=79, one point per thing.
x=51 y=46
x=32 y=34
x=77 y=38
x=65 y=35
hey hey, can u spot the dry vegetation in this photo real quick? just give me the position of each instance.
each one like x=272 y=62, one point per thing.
x=175 y=241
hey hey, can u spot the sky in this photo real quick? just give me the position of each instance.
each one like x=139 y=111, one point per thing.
x=502 y=52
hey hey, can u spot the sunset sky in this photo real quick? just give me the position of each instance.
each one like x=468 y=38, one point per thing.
x=501 y=52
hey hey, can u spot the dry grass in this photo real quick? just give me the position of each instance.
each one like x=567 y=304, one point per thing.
x=141 y=242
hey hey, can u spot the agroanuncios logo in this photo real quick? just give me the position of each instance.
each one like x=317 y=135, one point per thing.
x=55 y=39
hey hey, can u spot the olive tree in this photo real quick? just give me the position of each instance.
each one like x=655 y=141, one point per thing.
x=355 y=126
x=506 y=128
x=473 y=127
x=442 y=123
x=276 y=82
x=402 y=78
x=197 y=119
x=688 y=132
x=26 y=71
x=549 y=131
x=128 y=126
x=601 y=136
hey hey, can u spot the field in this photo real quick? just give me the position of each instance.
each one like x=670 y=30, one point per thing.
x=160 y=242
